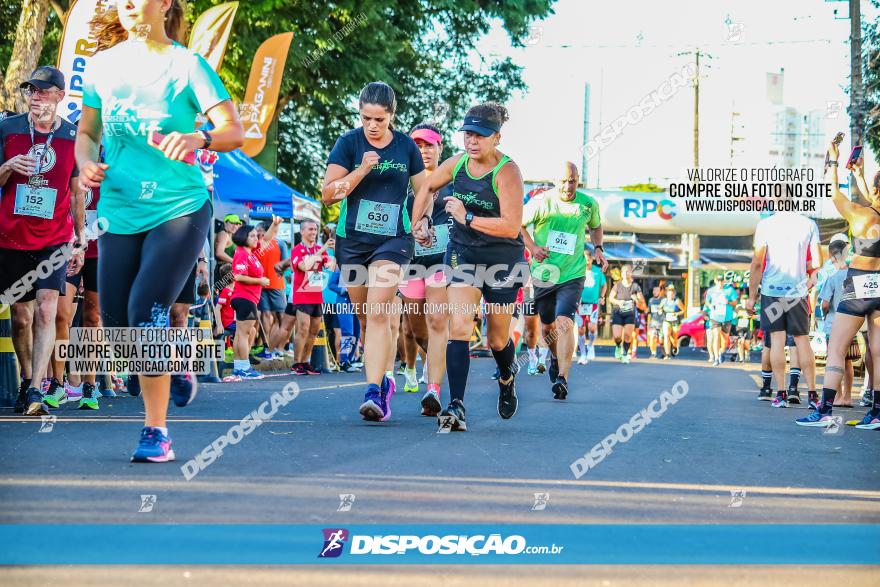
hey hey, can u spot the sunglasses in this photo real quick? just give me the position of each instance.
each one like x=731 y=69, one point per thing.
x=29 y=91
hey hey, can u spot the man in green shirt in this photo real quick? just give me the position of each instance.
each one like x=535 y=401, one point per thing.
x=559 y=219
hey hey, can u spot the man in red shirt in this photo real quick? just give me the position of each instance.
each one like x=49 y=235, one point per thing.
x=40 y=186
x=308 y=260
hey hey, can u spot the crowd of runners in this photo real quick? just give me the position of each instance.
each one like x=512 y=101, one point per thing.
x=424 y=251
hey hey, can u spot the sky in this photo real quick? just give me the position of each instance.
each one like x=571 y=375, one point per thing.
x=626 y=52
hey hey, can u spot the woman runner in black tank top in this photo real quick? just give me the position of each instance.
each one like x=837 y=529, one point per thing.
x=861 y=293
x=486 y=208
x=368 y=171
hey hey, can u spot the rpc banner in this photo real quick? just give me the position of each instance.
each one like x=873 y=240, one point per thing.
x=77 y=48
x=261 y=97
x=210 y=34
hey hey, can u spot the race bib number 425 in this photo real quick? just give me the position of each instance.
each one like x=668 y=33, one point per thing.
x=377 y=218
x=867 y=286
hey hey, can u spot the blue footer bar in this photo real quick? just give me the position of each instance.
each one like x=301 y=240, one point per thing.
x=753 y=544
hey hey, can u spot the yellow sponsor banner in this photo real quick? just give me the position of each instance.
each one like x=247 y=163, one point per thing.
x=211 y=33
x=263 y=87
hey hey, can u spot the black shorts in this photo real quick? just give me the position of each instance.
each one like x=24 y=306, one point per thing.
x=244 y=309
x=497 y=271
x=331 y=321
x=559 y=300
x=852 y=305
x=622 y=319
x=724 y=326
x=313 y=310
x=743 y=333
x=75 y=280
x=789 y=340
x=352 y=256
x=90 y=275
x=188 y=294
x=791 y=315
x=16 y=265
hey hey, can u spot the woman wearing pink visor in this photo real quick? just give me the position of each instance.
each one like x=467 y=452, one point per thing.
x=429 y=323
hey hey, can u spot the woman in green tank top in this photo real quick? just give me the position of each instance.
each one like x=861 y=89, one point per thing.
x=485 y=253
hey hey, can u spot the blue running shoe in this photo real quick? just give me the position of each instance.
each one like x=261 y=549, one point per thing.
x=106 y=392
x=184 y=389
x=247 y=374
x=154 y=447
x=871 y=421
x=134 y=386
x=265 y=355
x=371 y=409
x=388 y=388
x=817 y=419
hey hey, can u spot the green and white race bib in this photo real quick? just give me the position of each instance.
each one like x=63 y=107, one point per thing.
x=34 y=201
x=441 y=239
x=561 y=242
x=867 y=286
x=377 y=218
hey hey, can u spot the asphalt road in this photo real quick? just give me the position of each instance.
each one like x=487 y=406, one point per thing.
x=681 y=468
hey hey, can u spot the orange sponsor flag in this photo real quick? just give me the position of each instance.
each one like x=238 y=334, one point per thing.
x=263 y=87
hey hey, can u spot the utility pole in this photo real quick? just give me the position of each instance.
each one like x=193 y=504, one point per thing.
x=856 y=90
x=697 y=112
x=693 y=241
x=586 y=139
x=856 y=94
x=599 y=154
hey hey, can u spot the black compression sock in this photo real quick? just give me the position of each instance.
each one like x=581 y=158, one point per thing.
x=626 y=347
x=795 y=378
x=875 y=407
x=766 y=377
x=827 y=400
x=458 y=362
x=504 y=359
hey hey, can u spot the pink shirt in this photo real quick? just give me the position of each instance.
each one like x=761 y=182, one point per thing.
x=245 y=262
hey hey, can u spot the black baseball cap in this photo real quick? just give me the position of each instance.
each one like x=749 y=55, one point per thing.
x=482 y=126
x=45 y=77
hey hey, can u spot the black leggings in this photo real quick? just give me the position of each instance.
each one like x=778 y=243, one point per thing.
x=140 y=275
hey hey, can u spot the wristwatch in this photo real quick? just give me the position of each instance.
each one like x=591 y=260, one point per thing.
x=468 y=218
x=600 y=247
x=207 y=136
x=429 y=219
x=832 y=163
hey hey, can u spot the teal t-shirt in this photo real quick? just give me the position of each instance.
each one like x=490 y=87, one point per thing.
x=594 y=281
x=139 y=90
x=717 y=299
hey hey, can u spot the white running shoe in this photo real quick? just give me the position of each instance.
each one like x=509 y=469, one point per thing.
x=583 y=360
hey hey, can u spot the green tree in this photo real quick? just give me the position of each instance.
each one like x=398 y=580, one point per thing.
x=425 y=49
x=642 y=187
